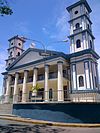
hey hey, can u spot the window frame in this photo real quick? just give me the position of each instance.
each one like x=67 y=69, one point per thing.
x=77 y=25
x=81 y=81
x=78 y=43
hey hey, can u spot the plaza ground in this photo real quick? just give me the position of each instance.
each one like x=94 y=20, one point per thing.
x=7 y=126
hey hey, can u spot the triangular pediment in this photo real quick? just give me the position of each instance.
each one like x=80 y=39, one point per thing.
x=33 y=55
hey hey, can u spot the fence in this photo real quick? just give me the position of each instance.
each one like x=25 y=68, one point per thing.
x=52 y=96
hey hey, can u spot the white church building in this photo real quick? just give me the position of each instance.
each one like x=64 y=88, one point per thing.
x=59 y=76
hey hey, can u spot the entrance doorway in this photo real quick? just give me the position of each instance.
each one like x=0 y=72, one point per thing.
x=50 y=94
x=20 y=95
x=40 y=93
x=65 y=93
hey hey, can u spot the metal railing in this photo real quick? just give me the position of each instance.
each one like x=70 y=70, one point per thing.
x=52 y=96
x=40 y=77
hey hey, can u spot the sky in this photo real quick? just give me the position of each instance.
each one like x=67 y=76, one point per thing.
x=43 y=20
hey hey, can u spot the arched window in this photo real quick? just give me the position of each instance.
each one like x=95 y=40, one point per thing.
x=81 y=81
x=90 y=44
x=88 y=26
x=77 y=25
x=9 y=64
x=18 y=54
x=11 y=54
x=78 y=43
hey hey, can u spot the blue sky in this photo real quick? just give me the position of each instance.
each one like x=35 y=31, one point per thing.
x=44 y=20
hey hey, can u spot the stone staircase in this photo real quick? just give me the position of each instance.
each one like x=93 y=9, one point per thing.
x=6 y=108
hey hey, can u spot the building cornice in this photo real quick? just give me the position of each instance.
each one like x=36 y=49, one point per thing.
x=10 y=58
x=86 y=30
x=80 y=17
x=83 y=52
x=80 y=3
x=17 y=37
x=15 y=47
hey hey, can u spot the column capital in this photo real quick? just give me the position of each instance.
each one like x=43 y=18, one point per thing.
x=60 y=62
x=46 y=65
x=16 y=73
x=35 y=68
x=26 y=70
x=9 y=75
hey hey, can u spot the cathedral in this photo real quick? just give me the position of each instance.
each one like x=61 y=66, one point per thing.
x=56 y=77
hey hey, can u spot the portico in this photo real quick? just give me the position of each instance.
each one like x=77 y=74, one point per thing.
x=50 y=76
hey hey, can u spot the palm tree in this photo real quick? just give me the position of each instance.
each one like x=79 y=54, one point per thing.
x=35 y=89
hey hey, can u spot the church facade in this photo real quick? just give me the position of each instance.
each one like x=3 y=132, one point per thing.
x=59 y=76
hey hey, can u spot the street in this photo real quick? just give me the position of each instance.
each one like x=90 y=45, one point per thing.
x=7 y=126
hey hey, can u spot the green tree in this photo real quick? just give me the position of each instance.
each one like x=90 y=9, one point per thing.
x=4 y=8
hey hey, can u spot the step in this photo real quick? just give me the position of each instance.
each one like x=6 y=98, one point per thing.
x=6 y=108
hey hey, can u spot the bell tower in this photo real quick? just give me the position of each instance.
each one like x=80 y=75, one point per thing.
x=81 y=36
x=83 y=58
x=15 y=49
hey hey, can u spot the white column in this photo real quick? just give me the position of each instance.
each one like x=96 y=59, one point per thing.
x=60 y=81
x=84 y=41
x=91 y=76
x=35 y=76
x=83 y=24
x=34 y=93
x=72 y=49
x=87 y=76
x=46 y=82
x=74 y=82
x=24 y=90
x=8 y=89
x=71 y=29
x=15 y=96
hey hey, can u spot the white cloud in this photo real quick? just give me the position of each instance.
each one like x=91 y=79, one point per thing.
x=61 y=27
x=45 y=31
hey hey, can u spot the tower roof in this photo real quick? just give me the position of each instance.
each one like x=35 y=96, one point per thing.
x=79 y=3
x=17 y=37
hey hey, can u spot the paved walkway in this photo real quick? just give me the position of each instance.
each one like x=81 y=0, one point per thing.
x=14 y=124
x=7 y=126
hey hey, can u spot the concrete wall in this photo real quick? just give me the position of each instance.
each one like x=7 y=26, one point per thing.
x=60 y=112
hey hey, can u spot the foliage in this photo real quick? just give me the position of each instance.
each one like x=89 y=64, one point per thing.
x=4 y=8
x=36 y=87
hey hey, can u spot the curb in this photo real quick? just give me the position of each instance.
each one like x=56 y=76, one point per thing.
x=28 y=120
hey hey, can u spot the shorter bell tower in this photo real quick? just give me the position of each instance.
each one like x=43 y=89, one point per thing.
x=15 y=49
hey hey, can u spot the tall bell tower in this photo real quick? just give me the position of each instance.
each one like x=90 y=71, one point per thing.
x=81 y=36
x=83 y=58
x=15 y=49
